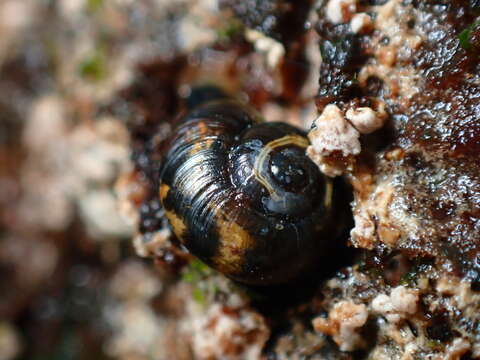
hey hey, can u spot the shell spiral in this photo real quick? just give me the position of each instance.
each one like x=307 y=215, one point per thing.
x=242 y=196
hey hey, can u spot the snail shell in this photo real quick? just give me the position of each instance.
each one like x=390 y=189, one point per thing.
x=242 y=196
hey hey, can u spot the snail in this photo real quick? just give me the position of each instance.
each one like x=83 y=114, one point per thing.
x=242 y=196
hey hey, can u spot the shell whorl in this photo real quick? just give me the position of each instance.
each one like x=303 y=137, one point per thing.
x=241 y=194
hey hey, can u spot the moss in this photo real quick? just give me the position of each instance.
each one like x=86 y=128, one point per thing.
x=198 y=295
x=94 y=5
x=94 y=66
x=435 y=345
x=410 y=278
x=231 y=30
x=197 y=273
x=421 y=269
x=464 y=36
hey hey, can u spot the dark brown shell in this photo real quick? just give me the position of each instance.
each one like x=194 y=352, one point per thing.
x=242 y=195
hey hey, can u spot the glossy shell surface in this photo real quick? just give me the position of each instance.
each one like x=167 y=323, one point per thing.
x=242 y=195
